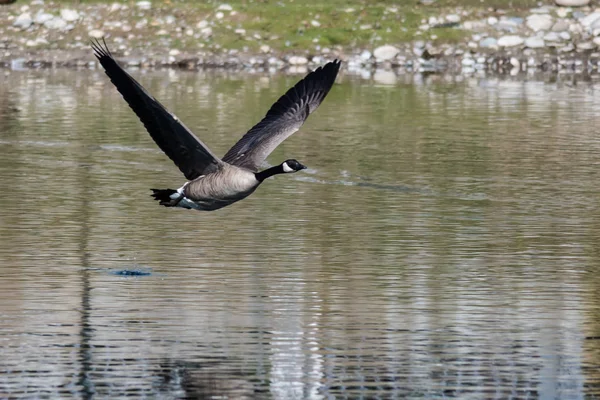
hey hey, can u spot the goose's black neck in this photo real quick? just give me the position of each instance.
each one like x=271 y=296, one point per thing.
x=262 y=175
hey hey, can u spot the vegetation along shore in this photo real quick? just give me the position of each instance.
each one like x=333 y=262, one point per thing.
x=420 y=35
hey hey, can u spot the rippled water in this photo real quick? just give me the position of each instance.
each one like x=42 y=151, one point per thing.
x=443 y=243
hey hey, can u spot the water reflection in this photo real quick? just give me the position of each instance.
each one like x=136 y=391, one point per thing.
x=443 y=243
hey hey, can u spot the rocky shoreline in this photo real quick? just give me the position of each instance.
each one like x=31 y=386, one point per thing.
x=546 y=38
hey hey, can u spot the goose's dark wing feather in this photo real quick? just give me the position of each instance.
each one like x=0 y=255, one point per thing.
x=284 y=118
x=183 y=147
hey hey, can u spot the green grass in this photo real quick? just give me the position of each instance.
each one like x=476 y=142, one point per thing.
x=285 y=25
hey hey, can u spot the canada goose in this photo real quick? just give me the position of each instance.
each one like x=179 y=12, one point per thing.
x=214 y=183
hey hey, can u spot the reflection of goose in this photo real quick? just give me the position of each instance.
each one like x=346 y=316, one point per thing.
x=213 y=182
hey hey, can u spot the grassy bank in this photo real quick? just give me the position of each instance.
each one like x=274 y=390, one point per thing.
x=284 y=25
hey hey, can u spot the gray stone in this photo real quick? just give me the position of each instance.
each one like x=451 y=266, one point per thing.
x=467 y=62
x=590 y=19
x=534 y=42
x=565 y=35
x=298 y=60
x=56 y=23
x=385 y=53
x=41 y=17
x=206 y=32
x=144 y=5
x=566 y=49
x=560 y=25
x=572 y=3
x=539 y=22
x=365 y=55
x=202 y=24
x=586 y=46
x=23 y=21
x=488 y=43
x=552 y=37
x=69 y=15
x=96 y=33
x=510 y=41
x=453 y=18
x=225 y=7
x=516 y=20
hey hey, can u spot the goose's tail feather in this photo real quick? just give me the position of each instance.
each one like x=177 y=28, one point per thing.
x=167 y=197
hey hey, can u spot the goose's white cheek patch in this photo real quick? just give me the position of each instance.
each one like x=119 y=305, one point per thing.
x=286 y=168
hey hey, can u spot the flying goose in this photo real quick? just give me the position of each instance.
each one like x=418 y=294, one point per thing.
x=215 y=182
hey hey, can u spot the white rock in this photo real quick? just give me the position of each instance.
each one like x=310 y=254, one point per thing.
x=23 y=21
x=206 y=32
x=170 y=19
x=69 y=15
x=114 y=7
x=585 y=46
x=385 y=53
x=219 y=15
x=365 y=55
x=298 y=60
x=225 y=7
x=265 y=48
x=240 y=31
x=552 y=37
x=174 y=52
x=588 y=20
x=488 y=43
x=560 y=25
x=534 y=42
x=41 y=17
x=467 y=62
x=189 y=32
x=565 y=35
x=510 y=41
x=515 y=62
x=96 y=34
x=572 y=3
x=162 y=32
x=492 y=20
x=596 y=41
x=202 y=24
x=56 y=23
x=539 y=22
x=315 y=23
x=453 y=18
x=144 y=5
x=31 y=43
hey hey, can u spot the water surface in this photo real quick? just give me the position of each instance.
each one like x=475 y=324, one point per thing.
x=442 y=243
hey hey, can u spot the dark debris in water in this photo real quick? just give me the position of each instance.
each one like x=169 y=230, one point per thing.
x=131 y=272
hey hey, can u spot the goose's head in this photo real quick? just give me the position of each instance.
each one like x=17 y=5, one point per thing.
x=292 y=166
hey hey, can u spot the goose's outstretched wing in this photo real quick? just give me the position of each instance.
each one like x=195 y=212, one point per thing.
x=183 y=147
x=284 y=118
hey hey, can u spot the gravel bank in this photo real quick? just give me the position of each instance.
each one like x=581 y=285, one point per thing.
x=40 y=34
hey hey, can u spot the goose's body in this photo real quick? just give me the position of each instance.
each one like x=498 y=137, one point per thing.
x=214 y=183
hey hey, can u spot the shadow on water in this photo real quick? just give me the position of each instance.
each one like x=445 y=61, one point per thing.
x=212 y=379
